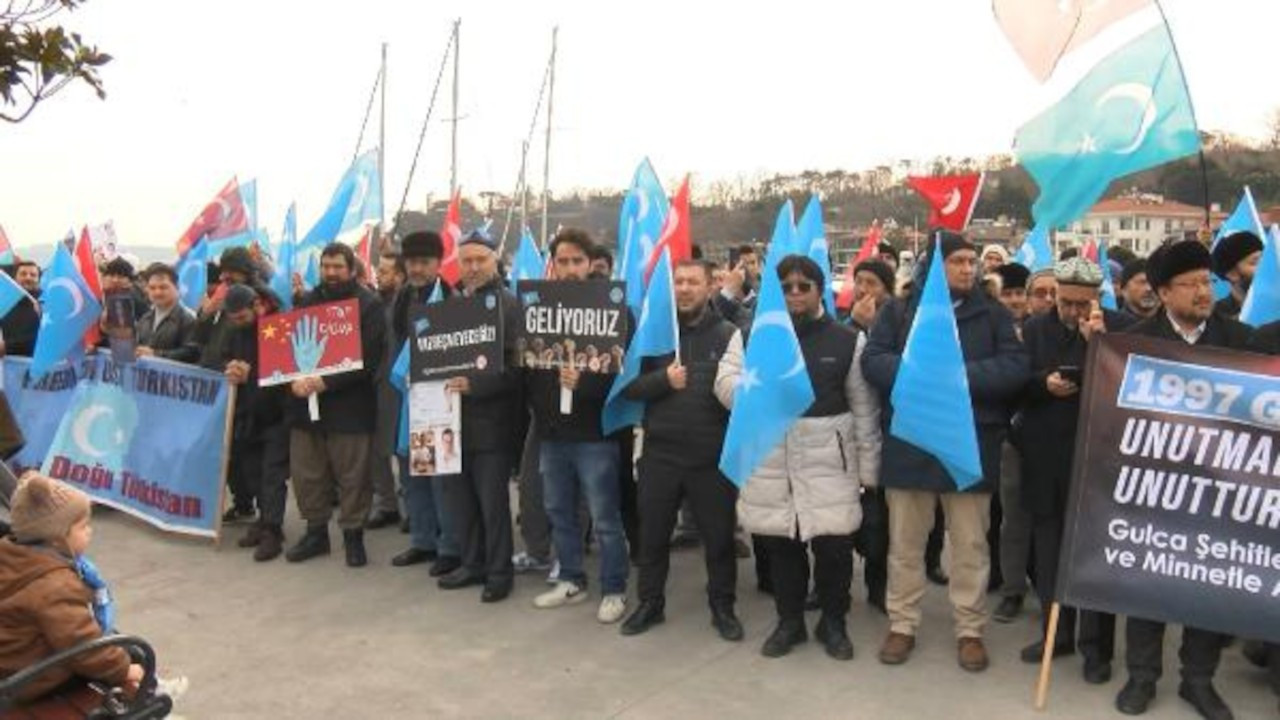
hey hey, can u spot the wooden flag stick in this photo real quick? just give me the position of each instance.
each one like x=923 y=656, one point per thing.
x=228 y=428
x=1046 y=659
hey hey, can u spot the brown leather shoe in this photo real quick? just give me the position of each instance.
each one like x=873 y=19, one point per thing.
x=897 y=648
x=972 y=654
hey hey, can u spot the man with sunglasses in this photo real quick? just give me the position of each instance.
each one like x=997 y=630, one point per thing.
x=1180 y=274
x=1057 y=342
x=806 y=491
x=996 y=368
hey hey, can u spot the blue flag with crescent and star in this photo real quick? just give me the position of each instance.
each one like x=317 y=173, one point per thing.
x=356 y=200
x=1035 y=253
x=193 y=275
x=1129 y=113
x=528 y=263
x=657 y=334
x=932 y=409
x=1108 y=289
x=774 y=389
x=812 y=239
x=70 y=309
x=282 y=279
x=1262 y=303
x=644 y=212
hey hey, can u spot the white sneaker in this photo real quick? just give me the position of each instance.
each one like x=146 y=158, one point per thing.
x=564 y=593
x=612 y=608
x=553 y=577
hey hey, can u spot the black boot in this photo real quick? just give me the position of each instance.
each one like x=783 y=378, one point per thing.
x=270 y=544
x=830 y=631
x=726 y=623
x=1205 y=700
x=789 y=633
x=649 y=613
x=1135 y=696
x=313 y=544
x=353 y=543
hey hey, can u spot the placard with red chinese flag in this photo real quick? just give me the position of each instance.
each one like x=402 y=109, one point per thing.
x=309 y=342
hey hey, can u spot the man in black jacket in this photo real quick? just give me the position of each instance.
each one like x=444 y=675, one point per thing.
x=432 y=536
x=1180 y=275
x=996 y=368
x=1235 y=259
x=329 y=457
x=577 y=461
x=19 y=329
x=167 y=329
x=684 y=426
x=1056 y=343
x=259 y=436
x=479 y=498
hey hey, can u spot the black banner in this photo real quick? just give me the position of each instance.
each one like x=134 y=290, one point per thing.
x=119 y=326
x=583 y=322
x=1175 y=497
x=459 y=336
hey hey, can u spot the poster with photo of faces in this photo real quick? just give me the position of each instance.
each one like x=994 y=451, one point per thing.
x=579 y=325
x=435 y=430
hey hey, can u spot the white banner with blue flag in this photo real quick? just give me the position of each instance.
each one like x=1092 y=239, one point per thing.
x=931 y=404
x=774 y=389
x=1129 y=113
x=146 y=438
x=657 y=334
x=39 y=404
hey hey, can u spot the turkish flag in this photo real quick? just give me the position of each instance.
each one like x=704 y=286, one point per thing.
x=951 y=198
x=364 y=252
x=83 y=257
x=676 y=235
x=451 y=234
x=1089 y=251
x=224 y=216
x=869 y=245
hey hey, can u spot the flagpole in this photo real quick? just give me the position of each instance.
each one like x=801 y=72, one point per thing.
x=1191 y=106
x=522 y=183
x=453 y=164
x=382 y=137
x=368 y=110
x=422 y=135
x=546 y=160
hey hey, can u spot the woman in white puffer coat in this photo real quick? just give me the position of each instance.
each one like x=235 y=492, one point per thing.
x=807 y=490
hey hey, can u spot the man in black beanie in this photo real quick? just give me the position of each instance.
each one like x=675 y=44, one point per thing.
x=1235 y=259
x=1138 y=297
x=1180 y=275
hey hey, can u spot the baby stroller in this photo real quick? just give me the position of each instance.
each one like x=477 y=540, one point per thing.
x=89 y=700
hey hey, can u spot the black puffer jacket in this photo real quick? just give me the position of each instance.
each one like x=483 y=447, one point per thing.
x=686 y=428
x=349 y=403
x=996 y=367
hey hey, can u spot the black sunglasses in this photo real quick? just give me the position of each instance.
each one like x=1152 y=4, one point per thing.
x=802 y=287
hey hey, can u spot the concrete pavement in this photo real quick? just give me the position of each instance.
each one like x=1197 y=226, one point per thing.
x=277 y=640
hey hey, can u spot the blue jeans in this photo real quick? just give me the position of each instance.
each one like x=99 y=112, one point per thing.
x=591 y=468
x=430 y=522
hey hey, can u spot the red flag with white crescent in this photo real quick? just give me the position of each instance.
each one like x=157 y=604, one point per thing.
x=951 y=198
x=224 y=216
x=451 y=234
x=364 y=251
x=871 y=244
x=676 y=235
x=83 y=257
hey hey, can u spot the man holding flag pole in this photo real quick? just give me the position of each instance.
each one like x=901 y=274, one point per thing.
x=947 y=363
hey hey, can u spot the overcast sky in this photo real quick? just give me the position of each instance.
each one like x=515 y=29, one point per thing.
x=201 y=91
